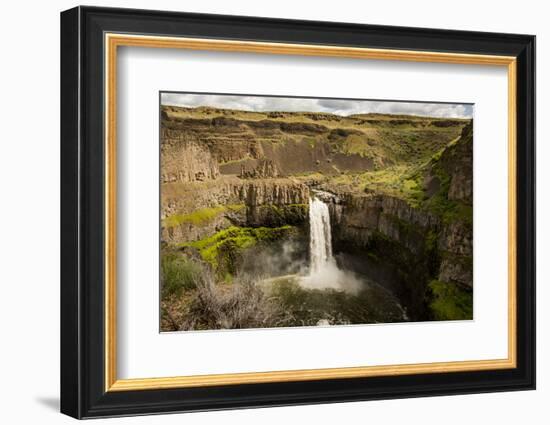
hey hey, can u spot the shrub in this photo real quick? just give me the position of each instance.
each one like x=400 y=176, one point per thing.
x=178 y=273
x=240 y=305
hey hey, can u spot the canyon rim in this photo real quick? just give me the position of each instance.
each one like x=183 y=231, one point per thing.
x=291 y=211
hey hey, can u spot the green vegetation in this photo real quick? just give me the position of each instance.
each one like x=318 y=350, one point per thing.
x=437 y=156
x=405 y=181
x=402 y=181
x=393 y=144
x=226 y=244
x=311 y=141
x=178 y=273
x=207 y=305
x=360 y=145
x=440 y=204
x=450 y=211
x=201 y=216
x=450 y=302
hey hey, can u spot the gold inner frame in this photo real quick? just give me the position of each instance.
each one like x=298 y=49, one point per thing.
x=113 y=41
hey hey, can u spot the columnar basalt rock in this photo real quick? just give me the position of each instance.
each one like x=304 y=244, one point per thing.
x=257 y=202
x=360 y=218
x=265 y=168
x=456 y=247
x=183 y=160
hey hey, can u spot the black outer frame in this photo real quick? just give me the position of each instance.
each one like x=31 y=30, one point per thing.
x=82 y=212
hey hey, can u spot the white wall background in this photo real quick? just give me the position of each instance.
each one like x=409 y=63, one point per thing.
x=29 y=213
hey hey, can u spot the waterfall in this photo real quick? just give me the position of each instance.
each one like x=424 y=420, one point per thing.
x=320 y=244
x=323 y=270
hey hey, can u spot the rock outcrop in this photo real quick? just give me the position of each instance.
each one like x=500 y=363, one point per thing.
x=453 y=171
x=272 y=192
x=265 y=168
x=274 y=203
x=187 y=230
x=184 y=160
x=456 y=248
x=359 y=217
x=384 y=237
x=255 y=203
x=432 y=242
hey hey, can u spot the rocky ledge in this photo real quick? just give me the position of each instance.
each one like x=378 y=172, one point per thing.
x=205 y=209
x=420 y=246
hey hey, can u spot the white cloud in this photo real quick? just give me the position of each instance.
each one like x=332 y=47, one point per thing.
x=334 y=106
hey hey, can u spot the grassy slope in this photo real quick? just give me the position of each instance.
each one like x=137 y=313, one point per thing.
x=406 y=181
x=387 y=139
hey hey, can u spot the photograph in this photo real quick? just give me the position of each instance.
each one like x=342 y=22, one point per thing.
x=281 y=211
x=294 y=211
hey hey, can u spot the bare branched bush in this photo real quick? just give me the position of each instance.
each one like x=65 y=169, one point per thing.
x=240 y=305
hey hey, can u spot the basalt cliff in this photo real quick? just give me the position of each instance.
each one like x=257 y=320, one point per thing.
x=399 y=190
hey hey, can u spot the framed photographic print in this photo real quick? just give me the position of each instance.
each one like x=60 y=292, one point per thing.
x=261 y=212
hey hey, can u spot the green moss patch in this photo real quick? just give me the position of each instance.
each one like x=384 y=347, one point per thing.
x=201 y=216
x=225 y=245
x=442 y=206
x=450 y=302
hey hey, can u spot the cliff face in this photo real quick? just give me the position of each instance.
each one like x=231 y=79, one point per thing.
x=456 y=248
x=454 y=174
x=272 y=192
x=195 y=211
x=359 y=217
x=274 y=144
x=408 y=246
x=386 y=238
x=274 y=203
x=185 y=160
x=458 y=162
x=432 y=241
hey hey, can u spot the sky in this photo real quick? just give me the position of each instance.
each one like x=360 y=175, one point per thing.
x=333 y=106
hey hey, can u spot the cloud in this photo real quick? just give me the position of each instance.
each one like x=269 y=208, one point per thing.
x=334 y=106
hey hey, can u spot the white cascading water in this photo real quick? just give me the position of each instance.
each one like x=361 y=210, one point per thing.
x=320 y=244
x=323 y=271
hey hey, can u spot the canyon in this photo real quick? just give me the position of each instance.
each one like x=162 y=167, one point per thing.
x=398 y=190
